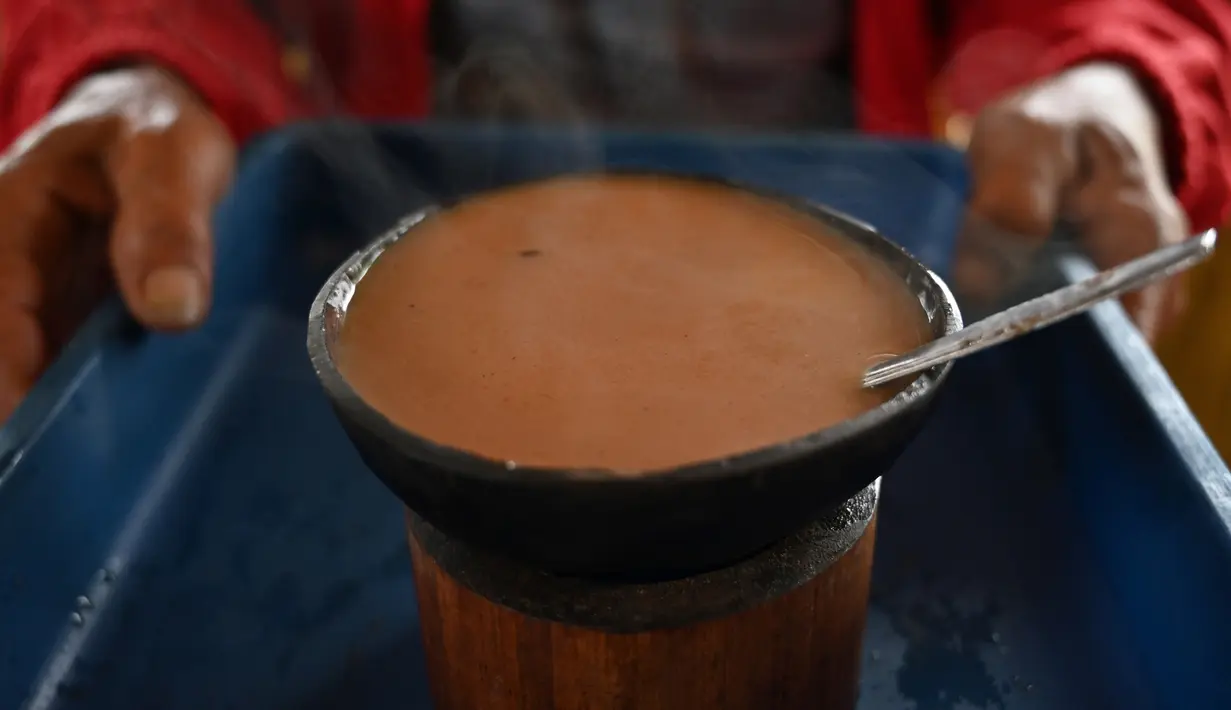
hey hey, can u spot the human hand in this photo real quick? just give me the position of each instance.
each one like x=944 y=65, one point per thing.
x=114 y=188
x=1082 y=150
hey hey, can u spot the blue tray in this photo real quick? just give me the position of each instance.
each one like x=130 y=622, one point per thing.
x=183 y=525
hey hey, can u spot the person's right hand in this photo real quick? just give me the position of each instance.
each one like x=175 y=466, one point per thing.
x=112 y=189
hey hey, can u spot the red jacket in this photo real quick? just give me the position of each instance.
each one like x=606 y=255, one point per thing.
x=903 y=61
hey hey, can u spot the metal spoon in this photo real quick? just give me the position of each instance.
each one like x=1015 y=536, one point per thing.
x=1045 y=310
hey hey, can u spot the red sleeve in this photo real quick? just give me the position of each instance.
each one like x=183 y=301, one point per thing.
x=219 y=47
x=1179 y=49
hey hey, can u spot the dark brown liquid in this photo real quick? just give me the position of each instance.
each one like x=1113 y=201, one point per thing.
x=625 y=323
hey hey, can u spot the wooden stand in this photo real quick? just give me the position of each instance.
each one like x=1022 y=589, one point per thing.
x=781 y=631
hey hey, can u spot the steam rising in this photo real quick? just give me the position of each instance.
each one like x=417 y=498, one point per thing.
x=570 y=66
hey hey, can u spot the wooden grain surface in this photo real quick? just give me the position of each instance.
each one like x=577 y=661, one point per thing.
x=799 y=651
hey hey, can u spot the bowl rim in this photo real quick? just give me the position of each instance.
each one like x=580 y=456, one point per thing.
x=334 y=296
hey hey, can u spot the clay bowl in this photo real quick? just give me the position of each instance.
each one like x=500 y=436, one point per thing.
x=596 y=524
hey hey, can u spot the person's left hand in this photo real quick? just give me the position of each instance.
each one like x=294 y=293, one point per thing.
x=1082 y=149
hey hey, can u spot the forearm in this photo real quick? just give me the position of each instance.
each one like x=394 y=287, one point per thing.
x=220 y=49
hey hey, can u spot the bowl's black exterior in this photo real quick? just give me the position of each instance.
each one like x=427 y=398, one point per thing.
x=634 y=528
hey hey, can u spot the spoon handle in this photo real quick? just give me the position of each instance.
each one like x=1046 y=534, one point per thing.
x=1045 y=310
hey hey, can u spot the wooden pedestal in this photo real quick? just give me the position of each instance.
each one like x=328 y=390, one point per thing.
x=781 y=631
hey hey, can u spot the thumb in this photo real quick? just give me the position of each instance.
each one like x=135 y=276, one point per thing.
x=161 y=242
x=1019 y=169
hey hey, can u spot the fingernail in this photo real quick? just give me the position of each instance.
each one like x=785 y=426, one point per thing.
x=175 y=296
